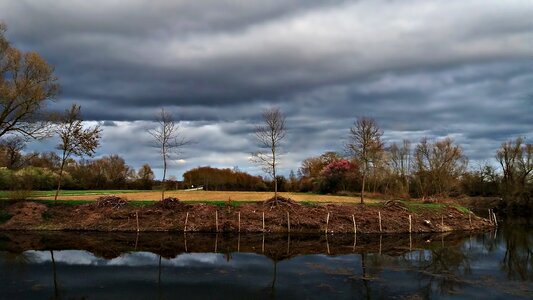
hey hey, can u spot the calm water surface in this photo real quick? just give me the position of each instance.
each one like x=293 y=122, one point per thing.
x=492 y=265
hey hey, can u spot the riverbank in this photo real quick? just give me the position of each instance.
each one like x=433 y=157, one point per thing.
x=386 y=217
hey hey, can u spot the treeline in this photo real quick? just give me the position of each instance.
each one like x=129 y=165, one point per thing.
x=39 y=171
x=224 y=180
x=425 y=170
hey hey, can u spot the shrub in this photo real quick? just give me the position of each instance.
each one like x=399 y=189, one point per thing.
x=20 y=194
x=5 y=178
x=41 y=178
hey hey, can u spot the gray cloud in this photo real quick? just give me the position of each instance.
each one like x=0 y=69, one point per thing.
x=439 y=68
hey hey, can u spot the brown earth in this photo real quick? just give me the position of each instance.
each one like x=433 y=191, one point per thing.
x=211 y=218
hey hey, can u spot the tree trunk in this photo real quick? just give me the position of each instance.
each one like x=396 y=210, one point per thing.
x=164 y=176
x=363 y=187
x=274 y=174
x=275 y=187
x=60 y=177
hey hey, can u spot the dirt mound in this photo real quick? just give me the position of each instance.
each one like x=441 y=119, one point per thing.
x=168 y=203
x=279 y=200
x=111 y=201
x=114 y=215
x=25 y=214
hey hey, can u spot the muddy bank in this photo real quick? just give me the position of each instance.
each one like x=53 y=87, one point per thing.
x=296 y=218
x=276 y=246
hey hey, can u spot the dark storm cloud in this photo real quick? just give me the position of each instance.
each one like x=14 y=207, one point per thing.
x=439 y=68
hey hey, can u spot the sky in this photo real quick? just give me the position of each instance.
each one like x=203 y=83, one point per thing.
x=459 y=69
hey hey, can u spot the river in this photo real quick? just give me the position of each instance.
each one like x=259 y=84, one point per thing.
x=488 y=265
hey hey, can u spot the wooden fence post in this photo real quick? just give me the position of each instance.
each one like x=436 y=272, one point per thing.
x=354 y=226
x=379 y=217
x=186 y=220
x=288 y=222
x=216 y=220
x=137 y=218
x=327 y=223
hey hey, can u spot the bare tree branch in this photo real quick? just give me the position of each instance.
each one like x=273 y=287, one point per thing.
x=169 y=139
x=365 y=145
x=269 y=136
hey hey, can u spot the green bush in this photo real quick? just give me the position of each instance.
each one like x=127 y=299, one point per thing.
x=40 y=178
x=20 y=194
x=5 y=178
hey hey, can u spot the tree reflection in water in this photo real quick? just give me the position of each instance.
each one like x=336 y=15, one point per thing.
x=438 y=267
x=56 y=291
x=518 y=260
x=445 y=268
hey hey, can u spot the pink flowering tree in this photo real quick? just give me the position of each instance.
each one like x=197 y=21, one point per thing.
x=337 y=175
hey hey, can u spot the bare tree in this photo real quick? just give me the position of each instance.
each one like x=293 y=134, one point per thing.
x=145 y=176
x=438 y=166
x=400 y=162
x=365 y=145
x=516 y=160
x=75 y=139
x=27 y=82
x=170 y=141
x=11 y=152
x=269 y=136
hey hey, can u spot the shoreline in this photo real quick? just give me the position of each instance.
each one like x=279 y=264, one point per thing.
x=244 y=218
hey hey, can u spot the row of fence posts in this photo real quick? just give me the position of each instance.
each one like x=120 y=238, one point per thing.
x=492 y=219
x=288 y=243
x=491 y=214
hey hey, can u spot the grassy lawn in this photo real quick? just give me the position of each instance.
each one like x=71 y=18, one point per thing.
x=415 y=207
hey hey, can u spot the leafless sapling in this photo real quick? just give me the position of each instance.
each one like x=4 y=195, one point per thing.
x=169 y=139
x=269 y=136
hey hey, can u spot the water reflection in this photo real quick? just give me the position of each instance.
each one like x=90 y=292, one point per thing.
x=167 y=266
